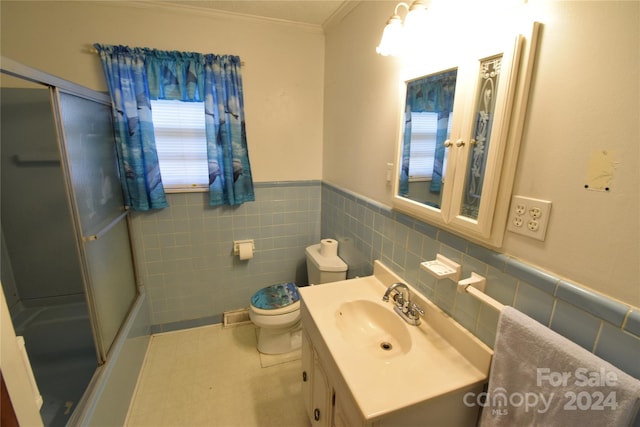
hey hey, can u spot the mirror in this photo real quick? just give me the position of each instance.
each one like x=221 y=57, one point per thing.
x=461 y=119
x=426 y=138
x=427 y=128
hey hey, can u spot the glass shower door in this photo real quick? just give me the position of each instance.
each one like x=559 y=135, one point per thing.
x=100 y=214
x=41 y=271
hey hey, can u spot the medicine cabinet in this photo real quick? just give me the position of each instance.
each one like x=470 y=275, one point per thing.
x=461 y=124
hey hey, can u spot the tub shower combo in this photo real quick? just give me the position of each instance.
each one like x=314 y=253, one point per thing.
x=67 y=266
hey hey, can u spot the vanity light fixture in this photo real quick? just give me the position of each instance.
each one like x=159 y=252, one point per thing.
x=396 y=34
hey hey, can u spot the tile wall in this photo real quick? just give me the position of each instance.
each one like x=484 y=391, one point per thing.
x=185 y=260
x=368 y=231
x=185 y=252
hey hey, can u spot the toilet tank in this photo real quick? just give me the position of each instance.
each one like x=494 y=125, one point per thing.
x=324 y=269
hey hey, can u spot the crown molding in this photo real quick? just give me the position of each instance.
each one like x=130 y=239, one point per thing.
x=340 y=13
x=219 y=14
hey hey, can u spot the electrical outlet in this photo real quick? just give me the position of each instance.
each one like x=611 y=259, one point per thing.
x=535 y=212
x=529 y=217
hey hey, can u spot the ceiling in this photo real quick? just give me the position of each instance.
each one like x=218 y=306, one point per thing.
x=314 y=12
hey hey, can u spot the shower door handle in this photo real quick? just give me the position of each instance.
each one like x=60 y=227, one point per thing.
x=106 y=229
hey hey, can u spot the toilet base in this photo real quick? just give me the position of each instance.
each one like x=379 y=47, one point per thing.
x=279 y=341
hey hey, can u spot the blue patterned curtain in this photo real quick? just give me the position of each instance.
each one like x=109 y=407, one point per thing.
x=175 y=75
x=133 y=125
x=230 y=179
x=216 y=80
x=431 y=94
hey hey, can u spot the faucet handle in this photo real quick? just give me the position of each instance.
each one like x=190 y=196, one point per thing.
x=398 y=299
x=415 y=308
x=403 y=304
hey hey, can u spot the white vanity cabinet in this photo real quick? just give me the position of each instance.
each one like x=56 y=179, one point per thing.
x=350 y=381
x=317 y=392
x=327 y=404
x=477 y=104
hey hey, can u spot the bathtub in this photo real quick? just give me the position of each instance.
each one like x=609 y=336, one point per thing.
x=59 y=342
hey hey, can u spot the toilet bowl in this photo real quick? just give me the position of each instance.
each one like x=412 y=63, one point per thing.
x=275 y=309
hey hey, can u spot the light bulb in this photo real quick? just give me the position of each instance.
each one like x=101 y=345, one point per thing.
x=392 y=37
x=416 y=22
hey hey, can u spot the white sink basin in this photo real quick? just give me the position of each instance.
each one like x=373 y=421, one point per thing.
x=373 y=328
x=350 y=325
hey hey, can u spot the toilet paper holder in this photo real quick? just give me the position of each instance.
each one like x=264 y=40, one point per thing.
x=238 y=243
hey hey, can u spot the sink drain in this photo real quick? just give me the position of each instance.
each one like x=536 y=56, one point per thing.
x=386 y=346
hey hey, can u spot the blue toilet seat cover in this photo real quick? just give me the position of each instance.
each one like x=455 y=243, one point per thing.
x=275 y=296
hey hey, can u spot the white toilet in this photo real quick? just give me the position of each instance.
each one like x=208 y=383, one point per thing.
x=276 y=308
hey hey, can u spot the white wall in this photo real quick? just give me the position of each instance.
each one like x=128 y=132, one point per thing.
x=361 y=103
x=283 y=73
x=585 y=96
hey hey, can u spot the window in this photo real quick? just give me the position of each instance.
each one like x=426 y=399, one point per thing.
x=181 y=143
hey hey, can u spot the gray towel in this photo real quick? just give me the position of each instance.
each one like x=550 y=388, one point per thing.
x=539 y=378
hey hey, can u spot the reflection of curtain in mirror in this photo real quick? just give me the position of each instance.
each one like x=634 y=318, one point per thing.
x=406 y=154
x=434 y=94
x=438 y=163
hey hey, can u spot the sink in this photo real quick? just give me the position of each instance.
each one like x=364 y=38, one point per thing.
x=373 y=327
x=381 y=363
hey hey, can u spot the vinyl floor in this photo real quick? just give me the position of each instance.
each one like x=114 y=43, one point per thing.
x=214 y=376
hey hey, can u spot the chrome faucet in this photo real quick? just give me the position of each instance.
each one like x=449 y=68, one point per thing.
x=399 y=295
x=409 y=311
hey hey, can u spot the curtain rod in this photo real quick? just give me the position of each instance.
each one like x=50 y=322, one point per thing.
x=92 y=49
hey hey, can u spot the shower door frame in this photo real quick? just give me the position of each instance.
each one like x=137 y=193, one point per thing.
x=56 y=87
x=102 y=349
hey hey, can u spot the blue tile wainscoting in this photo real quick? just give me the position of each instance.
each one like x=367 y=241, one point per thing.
x=185 y=255
x=186 y=263
x=367 y=230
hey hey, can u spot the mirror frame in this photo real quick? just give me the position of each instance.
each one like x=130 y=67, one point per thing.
x=410 y=206
x=488 y=229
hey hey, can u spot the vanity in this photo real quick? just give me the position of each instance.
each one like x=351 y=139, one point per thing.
x=364 y=365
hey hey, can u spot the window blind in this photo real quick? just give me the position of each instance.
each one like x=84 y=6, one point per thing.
x=423 y=145
x=181 y=143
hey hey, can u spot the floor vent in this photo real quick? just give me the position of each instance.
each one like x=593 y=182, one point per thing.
x=236 y=317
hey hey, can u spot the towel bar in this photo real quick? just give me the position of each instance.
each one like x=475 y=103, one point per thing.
x=484 y=298
x=476 y=285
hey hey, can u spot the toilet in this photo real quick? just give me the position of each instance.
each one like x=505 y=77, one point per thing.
x=275 y=309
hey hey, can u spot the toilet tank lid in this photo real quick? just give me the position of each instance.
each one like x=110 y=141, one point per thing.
x=276 y=296
x=331 y=263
